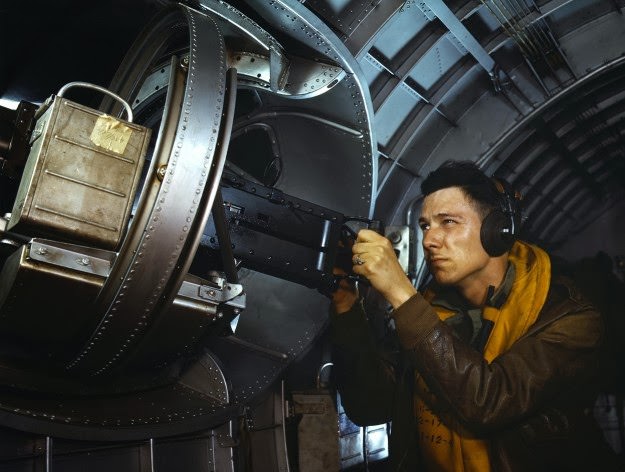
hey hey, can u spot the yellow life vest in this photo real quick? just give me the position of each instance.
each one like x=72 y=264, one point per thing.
x=445 y=444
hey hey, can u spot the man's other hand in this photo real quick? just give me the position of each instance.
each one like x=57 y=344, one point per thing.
x=344 y=297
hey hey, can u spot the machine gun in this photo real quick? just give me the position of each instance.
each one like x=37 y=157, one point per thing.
x=269 y=231
x=68 y=232
x=260 y=227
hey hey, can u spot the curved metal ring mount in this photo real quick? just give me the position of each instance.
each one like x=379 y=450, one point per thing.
x=144 y=279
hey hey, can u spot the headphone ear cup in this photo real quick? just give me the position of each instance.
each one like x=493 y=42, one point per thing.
x=495 y=240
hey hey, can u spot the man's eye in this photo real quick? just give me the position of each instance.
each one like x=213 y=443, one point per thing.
x=448 y=221
x=424 y=226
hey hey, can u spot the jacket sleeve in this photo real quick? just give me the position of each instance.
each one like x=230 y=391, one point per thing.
x=364 y=375
x=484 y=396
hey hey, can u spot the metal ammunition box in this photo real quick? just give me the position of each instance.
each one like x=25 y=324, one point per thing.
x=81 y=175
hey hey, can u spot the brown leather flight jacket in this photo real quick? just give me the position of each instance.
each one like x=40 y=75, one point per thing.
x=532 y=403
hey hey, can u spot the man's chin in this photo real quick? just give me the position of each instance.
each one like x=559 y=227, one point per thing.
x=443 y=278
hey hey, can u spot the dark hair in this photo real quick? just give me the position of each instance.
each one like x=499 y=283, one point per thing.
x=476 y=185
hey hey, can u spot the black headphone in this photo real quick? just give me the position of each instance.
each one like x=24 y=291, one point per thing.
x=500 y=228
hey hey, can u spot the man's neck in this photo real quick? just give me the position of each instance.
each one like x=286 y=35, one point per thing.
x=475 y=290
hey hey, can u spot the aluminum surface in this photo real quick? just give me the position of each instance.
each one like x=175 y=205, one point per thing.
x=294 y=19
x=262 y=62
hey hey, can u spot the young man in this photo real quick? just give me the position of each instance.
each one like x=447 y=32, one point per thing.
x=499 y=358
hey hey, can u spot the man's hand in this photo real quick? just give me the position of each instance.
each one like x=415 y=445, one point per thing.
x=375 y=259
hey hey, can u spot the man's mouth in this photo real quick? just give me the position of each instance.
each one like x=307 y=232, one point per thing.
x=436 y=262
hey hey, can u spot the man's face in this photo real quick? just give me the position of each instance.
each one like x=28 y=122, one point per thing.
x=451 y=237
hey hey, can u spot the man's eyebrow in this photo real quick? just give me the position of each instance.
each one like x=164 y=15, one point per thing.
x=444 y=214
x=440 y=216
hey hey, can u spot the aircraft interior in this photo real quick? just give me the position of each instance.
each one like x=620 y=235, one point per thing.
x=178 y=179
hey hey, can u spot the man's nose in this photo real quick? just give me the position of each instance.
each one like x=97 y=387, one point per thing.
x=431 y=238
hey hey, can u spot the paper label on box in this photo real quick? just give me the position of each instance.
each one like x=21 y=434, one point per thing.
x=110 y=134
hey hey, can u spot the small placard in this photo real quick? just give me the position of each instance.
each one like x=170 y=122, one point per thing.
x=110 y=134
